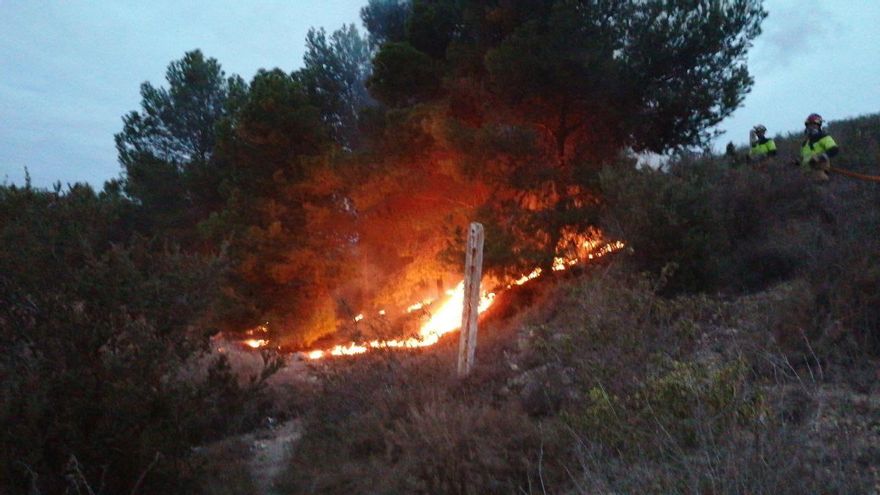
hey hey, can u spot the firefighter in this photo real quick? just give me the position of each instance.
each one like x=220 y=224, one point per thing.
x=762 y=147
x=817 y=148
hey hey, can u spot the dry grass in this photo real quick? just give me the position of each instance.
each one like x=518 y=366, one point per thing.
x=636 y=393
x=744 y=361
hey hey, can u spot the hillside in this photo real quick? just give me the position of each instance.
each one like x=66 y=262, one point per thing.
x=175 y=331
x=733 y=348
x=857 y=137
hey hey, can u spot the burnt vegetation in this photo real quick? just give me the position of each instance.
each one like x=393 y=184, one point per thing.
x=731 y=347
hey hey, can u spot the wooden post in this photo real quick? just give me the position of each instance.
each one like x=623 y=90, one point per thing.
x=473 y=270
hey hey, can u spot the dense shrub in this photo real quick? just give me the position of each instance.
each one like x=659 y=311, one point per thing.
x=707 y=227
x=719 y=228
x=94 y=330
x=668 y=222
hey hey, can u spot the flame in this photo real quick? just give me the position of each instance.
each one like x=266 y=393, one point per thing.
x=419 y=305
x=525 y=278
x=255 y=343
x=447 y=317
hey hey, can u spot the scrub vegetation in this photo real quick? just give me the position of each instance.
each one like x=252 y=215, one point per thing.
x=732 y=346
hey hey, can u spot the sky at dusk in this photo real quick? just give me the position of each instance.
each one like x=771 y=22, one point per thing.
x=69 y=70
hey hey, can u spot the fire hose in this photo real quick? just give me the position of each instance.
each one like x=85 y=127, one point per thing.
x=872 y=178
x=848 y=173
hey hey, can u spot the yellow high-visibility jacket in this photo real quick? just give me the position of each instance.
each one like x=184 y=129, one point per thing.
x=764 y=147
x=813 y=148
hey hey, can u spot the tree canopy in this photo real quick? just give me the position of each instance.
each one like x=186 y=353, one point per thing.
x=335 y=74
x=166 y=150
x=302 y=198
x=362 y=165
x=538 y=96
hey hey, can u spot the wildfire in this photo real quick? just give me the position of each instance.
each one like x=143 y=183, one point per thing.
x=255 y=343
x=525 y=278
x=447 y=317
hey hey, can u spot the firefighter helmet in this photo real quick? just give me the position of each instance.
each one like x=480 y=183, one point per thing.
x=814 y=118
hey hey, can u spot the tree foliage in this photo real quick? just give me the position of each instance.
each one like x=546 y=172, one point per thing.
x=94 y=328
x=166 y=150
x=404 y=76
x=500 y=112
x=385 y=20
x=335 y=74
x=284 y=216
x=541 y=95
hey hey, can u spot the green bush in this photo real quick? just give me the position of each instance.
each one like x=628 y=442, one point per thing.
x=667 y=219
x=94 y=330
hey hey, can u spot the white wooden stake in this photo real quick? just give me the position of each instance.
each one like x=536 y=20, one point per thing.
x=473 y=269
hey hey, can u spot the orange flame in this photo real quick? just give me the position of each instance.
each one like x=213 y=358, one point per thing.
x=447 y=317
x=255 y=343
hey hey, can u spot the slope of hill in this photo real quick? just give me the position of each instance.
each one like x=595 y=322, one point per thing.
x=732 y=349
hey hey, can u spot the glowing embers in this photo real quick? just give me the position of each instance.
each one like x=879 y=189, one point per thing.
x=255 y=343
x=445 y=319
x=573 y=248
x=258 y=336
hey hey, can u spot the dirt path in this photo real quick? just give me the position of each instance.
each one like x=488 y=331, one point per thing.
x=269 y=449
